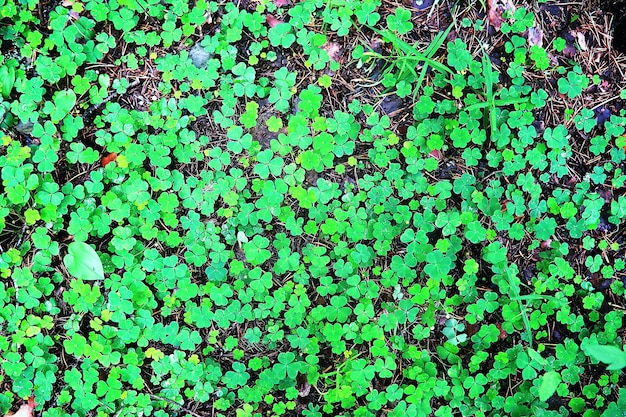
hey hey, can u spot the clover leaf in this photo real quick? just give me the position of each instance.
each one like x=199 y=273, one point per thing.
x=400 y=21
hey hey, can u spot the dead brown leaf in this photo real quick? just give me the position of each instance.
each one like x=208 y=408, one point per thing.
x=535 y=36
x=303 y=385
x=580 y=39
x=570 y=50
x=26 y=410
x=333 y=49
x=496 y=9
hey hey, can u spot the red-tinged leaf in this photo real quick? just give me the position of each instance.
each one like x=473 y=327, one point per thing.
x=503 y=334
x=272 y=21
x=471 y=329
x=281 y=3
x=109 y=158
x=435 y=153
x=496 y=9
x=546 y=244
x=26 y=410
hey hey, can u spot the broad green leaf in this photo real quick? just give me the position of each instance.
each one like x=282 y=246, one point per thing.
x=83 y=262
x=611 y=355
x=63 y=103
x=549 y=383
x=7 y=80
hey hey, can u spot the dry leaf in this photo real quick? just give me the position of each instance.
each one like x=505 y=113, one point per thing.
x=26 y=410
x=303 y=386
x=305 y=390
x=535 y=36
x=496 y=9
x=570 y=50
x=422 y=4
x=333 y=49
x=109 y=158
x=580 y=38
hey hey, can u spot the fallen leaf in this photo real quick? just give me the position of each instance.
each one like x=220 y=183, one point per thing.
x=272 y=21
x=496 y=9
x=391 y=104
x=602 y=115
x=580 y=38
x=199 y=56
x=303 y=386
x=570 y=50
x=546 y=244
x=535 y=36
x=26 y=410
x=605 y=85
x=333 y=49
x=109 y=158
x=305 y=390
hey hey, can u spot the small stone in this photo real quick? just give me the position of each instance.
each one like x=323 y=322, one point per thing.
x=602 y=115
x=391 y=104
x=199 y=56
x=422 y=4
x=25 y=128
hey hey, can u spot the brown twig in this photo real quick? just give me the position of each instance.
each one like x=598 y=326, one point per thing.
x=157 y=397
x=95 y=107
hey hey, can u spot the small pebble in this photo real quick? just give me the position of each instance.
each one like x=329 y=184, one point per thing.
x=199 y=56
x=602 y=115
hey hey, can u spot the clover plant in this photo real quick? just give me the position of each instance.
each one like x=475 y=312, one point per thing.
x=319 y=207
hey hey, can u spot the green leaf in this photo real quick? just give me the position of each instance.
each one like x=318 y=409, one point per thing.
x=549 y=383
x=281 y=35
x=7 y=80
x=401 y=21
x=611 y=355
x=63 y=103
x=83 y=262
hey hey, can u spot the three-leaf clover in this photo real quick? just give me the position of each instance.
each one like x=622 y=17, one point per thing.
x=400 y=21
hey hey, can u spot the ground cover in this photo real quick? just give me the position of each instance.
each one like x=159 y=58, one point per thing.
x=266 y=208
